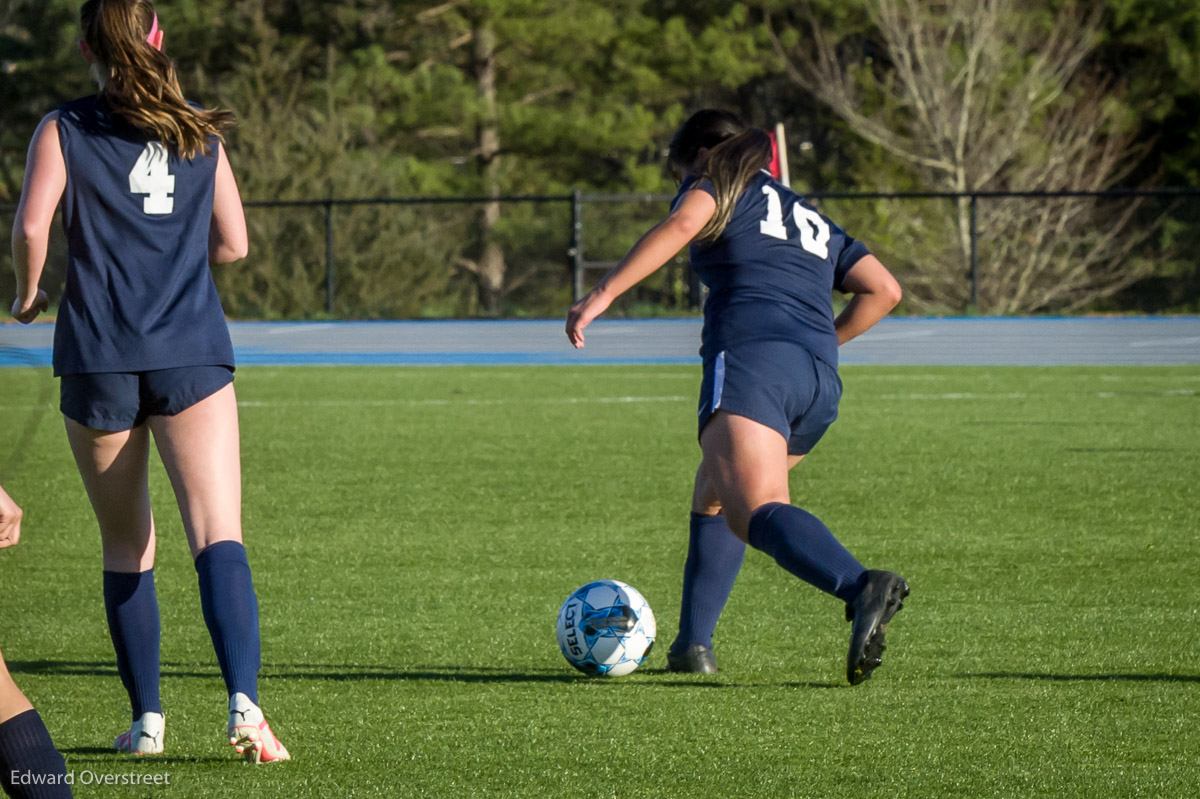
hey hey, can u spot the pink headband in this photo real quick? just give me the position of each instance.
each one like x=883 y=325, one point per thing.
x=153 y=30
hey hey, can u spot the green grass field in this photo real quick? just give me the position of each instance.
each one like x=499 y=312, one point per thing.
x=414 y=530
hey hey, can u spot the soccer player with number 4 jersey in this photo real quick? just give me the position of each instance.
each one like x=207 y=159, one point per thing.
x=141 y=345
x=770 y=388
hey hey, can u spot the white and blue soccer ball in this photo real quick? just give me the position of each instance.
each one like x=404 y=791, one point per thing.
x=606 y=628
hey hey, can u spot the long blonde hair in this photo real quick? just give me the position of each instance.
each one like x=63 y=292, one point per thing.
x=736 y=153
x=139 y=81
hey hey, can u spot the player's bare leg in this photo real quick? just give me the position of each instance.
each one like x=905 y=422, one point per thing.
x=748 y=466
x=114 y=468
x=12 y=701
x=704 y=494
x=709 y=573
x=200 y=449
x=713 y=561
x=25 y=746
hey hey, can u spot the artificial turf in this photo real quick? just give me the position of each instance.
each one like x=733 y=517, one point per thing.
x=413 y=531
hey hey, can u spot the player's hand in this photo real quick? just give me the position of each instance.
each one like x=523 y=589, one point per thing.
x=26 y=313
x=581 y=315
x=10 y=521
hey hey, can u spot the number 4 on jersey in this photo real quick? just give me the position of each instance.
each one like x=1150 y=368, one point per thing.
x=814 y=230
x=150 y=177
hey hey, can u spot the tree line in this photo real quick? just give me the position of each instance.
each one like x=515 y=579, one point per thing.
x=487 y=98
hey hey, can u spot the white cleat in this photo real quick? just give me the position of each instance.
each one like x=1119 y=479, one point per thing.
x=250 y=734
x=145 y=736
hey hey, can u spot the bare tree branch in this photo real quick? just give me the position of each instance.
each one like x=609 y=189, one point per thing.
x=983 y=95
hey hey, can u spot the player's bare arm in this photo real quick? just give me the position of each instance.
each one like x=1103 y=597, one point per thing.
x=876 y=293
x=45 y=180
x=652 y=250
x=10 y=520
x=227 y=239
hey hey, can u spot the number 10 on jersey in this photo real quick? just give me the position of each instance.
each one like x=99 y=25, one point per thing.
x=814 y=230
x=150 y=177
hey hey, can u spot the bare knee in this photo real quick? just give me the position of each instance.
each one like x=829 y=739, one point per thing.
x=704 y=495
x=199 y=543
x=737 y=516
x=12 y=701
x=737 y=499
x=747 y=465
x=128 y=553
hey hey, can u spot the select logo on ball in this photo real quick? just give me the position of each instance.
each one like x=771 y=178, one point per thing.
x=606 y=628
x=570 y=617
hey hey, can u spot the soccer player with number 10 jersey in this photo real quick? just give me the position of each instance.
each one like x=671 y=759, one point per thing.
x=770 y=388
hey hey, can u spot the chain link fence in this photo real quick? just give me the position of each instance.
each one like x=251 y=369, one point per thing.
x=420 y=257
x=955 y=253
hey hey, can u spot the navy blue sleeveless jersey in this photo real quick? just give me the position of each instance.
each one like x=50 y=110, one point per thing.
x=139 y=295
x=771 y=272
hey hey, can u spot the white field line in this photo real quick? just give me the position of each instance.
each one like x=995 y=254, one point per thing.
x=1140 y=378
x=692 y=373
x=864 y=377
x=954 y=396
x=627 y=400
x=1178 y=392
x=1181 y=392
x=502 y=373
x=439 y=403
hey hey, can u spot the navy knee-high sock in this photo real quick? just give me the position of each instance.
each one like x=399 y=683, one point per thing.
x=803 y=545
x=131 y=605
x=231 y=613
x=713 y=561
x=30 y=766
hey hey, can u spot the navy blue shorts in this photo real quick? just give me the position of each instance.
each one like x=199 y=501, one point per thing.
x=777 y=384
x=116 y=401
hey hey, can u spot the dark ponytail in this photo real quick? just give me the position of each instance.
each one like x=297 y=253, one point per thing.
x=736 y=153
x=140 y=82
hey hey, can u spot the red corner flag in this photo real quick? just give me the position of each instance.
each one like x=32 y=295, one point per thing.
x=774 y=166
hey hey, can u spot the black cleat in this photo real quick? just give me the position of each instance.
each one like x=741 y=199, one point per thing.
x=882 y=596
x=696 y=659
